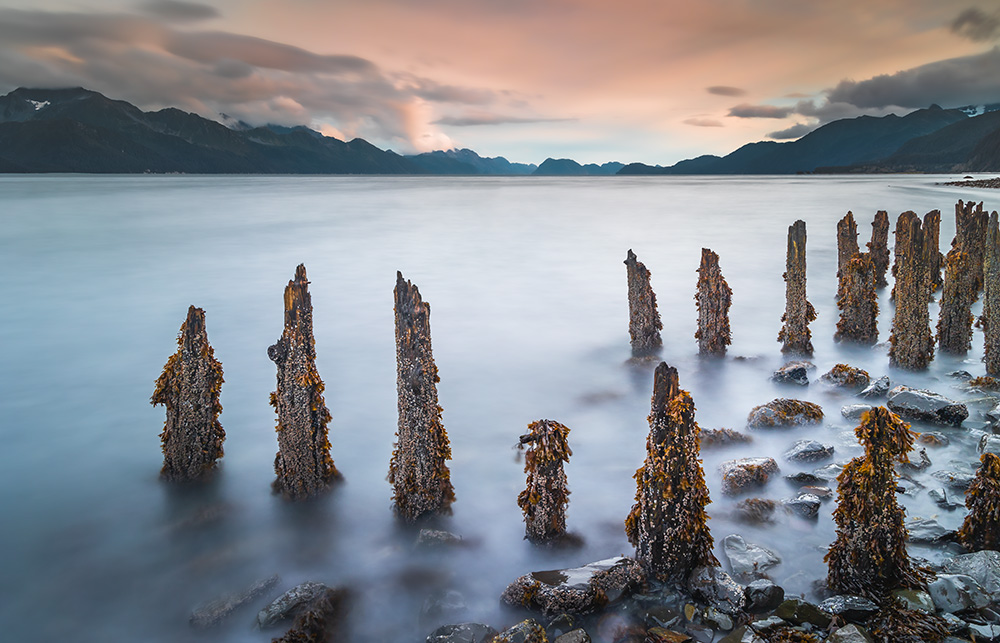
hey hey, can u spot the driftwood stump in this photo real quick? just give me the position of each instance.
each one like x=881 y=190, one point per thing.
x=546 y=493
x=644 y=323
x=714 y=297
x=795 y=335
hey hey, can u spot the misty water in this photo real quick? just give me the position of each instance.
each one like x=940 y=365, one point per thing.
x=529 y=320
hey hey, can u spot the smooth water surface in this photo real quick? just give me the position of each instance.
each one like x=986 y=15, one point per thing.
x=529 y=321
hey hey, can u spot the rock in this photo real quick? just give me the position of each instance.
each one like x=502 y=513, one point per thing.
x=919 y=463
x=855 y=411
x=285 y=606
x=804 y=504
x=755 y=510
x=989 y=444
x=993 y=415
x=809 y=451
x=913 y=599
x=845 y=376
x=942 y=499
x=699 y=633
x=953 y=624
x=925 y=530
x=579 y=590
x=985 y=631
x=853 y=609
x=214 y=612
x=578 y=635
x=805 y=479
x=718 y=589
x=954 y=479
x=746 y=473
x=463 y=633
x=877 y=389
x=323 y=619
x=717 y=619
x=933 y=439
x=783 y=412
x=436 y=539
x=960 y=375
x=793 y=373
x=747 y=559
x=829 y=472
x=560 y=624
x=956 y=592
x=983 y=566
x=823 y=493
x=527 y=631
x=444 y=606
x=762 y=596
x=663 y=635
x=722 y=437
x=918 y=404
x=798 y=611
x=849 y=634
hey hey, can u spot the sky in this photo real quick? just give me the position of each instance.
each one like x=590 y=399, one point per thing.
x=652 y=81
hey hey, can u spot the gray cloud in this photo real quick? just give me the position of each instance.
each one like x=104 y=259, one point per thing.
x=724 y=90
x=977 y=25
x=471 y=120
x=795 y=131
x=703 y=122
x=175 y=10
x=745 y=110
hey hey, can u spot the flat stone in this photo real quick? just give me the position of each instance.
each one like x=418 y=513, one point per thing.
x=877 y=389
x=983 y=566
x=954 y=479
x=580 y=590
x=989 y=444
x=463 y=633
x=853 y=609
x=805 y=505
x=285 y=606
x=762 y=595
x=957 y=592
x=919 y=404
x=849 y=634
x=915 y=599
x=798 y=611
x=793 y=373
x=717 y=589
x=784 y=412
x=578 y=635
x=767 y=625
x=855 y=411
x=926 y=531
x=809 y=451
x=746 y=473
x=215 y=611
x=747 y=559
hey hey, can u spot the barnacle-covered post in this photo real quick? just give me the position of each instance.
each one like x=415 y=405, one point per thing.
x=954 y=327
x=795 y=336
x=991 y=297
x=970 y=237
x=878 y=247
x=911 y=345
x=189 y=388
x=847 y=245
x=869 y=555
x=857 y=301
x=932 y=250
x=981 y=528
x=668 y=524
x=546 y=495
x=644 y=323
x=418 y=470
x=714 y=297
x=303 y=464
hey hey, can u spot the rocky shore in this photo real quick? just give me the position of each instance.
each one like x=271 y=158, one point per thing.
x=977 y=183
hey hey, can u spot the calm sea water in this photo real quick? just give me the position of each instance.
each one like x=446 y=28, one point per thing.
x=529 y=321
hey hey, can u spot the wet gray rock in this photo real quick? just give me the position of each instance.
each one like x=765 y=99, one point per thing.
x=954 y=625
x=578 y=635
x=527 y=631
x=927 y=531
x=914 y=599
x=699 y=634
x=462 y=633
x=429 y=539
x=985 y=631
x=784 y=412
x=960 y=375
x=957 y=592
x=993 y=416
x=717 y=589
x=943 y=499
x=829 y=472
x=989 y=444
x=823 y=493
x=849 y=634
x=215 y=611
x=934 y=439
x=762 y=596
x=804 y=479
x=983 y=566
x=877 y=389
x=855 y=411
x=853 y=609
x=805 y=505
x=285 y=606
x=793 y=373
x=848 y=377
x=920 y=462
x=767 y=625
x=746 y=473
x=954 y=479
x=747 y=560
x=809 y=451
x=579 y=590
x=717 y=620
x=444 y=605
x=919 y=404
x=798 y=611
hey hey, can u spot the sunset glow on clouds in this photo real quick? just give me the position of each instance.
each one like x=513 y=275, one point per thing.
x=635 y=80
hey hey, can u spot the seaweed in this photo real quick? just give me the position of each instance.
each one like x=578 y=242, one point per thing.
x=894 y=623
x=795 y=335
x=981 y=528
x=714 y=297
x=644 y=323
x=546 y=494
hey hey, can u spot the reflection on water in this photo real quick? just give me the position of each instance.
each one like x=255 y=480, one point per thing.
x=530 y=321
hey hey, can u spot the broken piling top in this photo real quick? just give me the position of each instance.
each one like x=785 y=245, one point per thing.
x=857 y=301
x=991 y=297
x=981 y=528
x=546 y=493
x=795 y=335
x=911 y=344
x=668 y=524
x=970 y=236
x=954 y=327
x=644 y=323
x=933 y=260
x=189 y=388
x=713 y=298
x=417 y=470
x=303 y=464
x=878 y=247
x=847 y=240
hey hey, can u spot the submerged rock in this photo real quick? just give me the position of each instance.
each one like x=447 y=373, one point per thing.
x=747 y=559
x=722 y=437
x=762 y=596
x=846 y=376
x=784 y=412
x=793 y=373
x=322 y=620
x=430 y=539
x=580 y=590
x=877 y=389
x=746 y=473
x=755 y=510
x=855 y=411
x=718 y=589
x=527 y=631
x=914 y=599
x=954 y=479
x=285 y=606
x=463 y=633
x=989 y=444
x=805 y=505
x=927 y=530
x=934 y=439
x=215 y=611
x=926 y=405
x=809 y=451
x=798 y=611
x=849 y=634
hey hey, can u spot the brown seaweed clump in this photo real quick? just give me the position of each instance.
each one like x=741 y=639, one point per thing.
x=546 y=494
x=911 y=345
x=971 y=222
x=991 y=297
x=795 y=336
x=878 y=247
x=869 y=556
x=954 y=327
x=857 y=301
x=189 y=388
x=418 y=469
x=668 y=524
x=644 y=323
x=894 y=623
x=981 y=529
x=714 y=297
x=303 y=463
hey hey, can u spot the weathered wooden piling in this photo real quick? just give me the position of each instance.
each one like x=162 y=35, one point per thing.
x=869 y=556
x=847 y=245
x=878 y=247
x=418 y=469
x=795 y=336
x=857 y=301
x=546 y=493
x=644 y=323
x=932 y=251
x=189 y=388
x=668 y=524
x=954 y=327
x=714 y=297
x=303 y=464
x=970 y=237
x=981 y=527
x=991 y=297
x=911 y=345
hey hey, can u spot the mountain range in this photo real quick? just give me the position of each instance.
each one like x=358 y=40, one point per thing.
x=78 y=130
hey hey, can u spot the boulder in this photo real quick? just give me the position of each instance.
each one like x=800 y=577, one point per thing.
x=793 y=373
x=845 y=376
x=462 y=633
x=527 y=631
x=927 y=531
x=215 y=611
x=849 y=634
x=285 y=606
x=855 y=411
x=877 y=389
x=853 y=609
x=809 y=451
x=578 y=635
x=957 y=592
x=429 y=539
x=579 y=590
x=919 y=404
x=804 y=504
x=798 y=611
x=710 y=438
x=746 y=473
x=748 y=560
x=914 y=599
x=983 y=566
x=762 y=596
x=784 y=412
x=989 y=444
x=717 y=589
